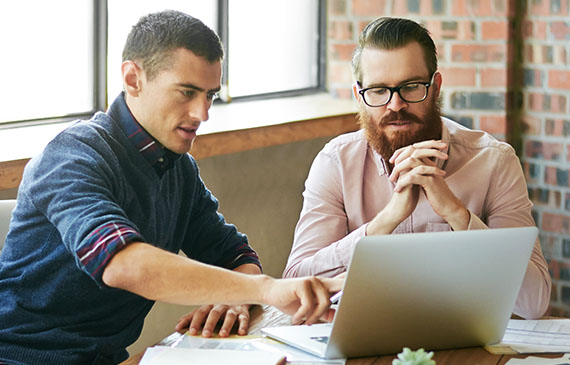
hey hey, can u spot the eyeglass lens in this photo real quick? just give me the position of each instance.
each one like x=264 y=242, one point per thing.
x=380 y=95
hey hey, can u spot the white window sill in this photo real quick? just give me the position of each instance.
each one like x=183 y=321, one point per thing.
x=25 y=142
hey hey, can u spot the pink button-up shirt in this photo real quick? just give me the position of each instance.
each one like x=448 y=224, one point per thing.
x=348 y=184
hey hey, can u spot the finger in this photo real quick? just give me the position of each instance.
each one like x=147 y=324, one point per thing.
x=306 y=299
x=184 y=322
x=417 y=168
x=403 y=167
x=198 y=319
x=243 y=323
x=334 y=284
x=423 y=176
x=423 y=153
x=229 y=320
x=323 y=302
x=438 y=144
x=213 y=317
x=404 y=151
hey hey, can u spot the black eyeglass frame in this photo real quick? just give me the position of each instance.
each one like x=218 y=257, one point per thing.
x=397 y=89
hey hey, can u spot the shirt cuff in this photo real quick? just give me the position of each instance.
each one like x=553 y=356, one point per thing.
x=102 y=244
x=475 y=222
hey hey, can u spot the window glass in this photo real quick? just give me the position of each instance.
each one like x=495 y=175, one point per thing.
x=124 y=14
x=273 y=46
x=46 y=66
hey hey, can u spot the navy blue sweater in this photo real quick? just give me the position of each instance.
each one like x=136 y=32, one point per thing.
x=54 y=307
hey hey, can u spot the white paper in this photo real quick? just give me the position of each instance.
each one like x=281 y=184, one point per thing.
x=538 y=336
x=160 y=355
x=533 y=360
x=249 y=343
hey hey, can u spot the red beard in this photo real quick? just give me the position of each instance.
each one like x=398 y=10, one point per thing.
x=430 y=129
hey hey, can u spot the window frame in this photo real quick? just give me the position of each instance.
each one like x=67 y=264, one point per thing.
x=100 y=45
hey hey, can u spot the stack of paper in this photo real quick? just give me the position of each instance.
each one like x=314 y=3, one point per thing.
x=540 y=336
x=160 y=355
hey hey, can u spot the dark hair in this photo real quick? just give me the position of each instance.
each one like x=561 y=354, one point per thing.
x=389 y=33
x=152 y=40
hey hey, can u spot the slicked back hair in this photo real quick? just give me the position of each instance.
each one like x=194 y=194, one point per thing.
x=390 y=33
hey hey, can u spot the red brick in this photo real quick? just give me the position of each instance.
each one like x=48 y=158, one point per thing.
x=456 y=76
x=559 y=79
x=479 y=7
x=493 y=77
x=368 y=7
x=341 y=30
x=337 y=7
x=557 y=104
x=342 y=52
x=541 y=7
x=494 y=124
x=528 y=54
x=558 y=223
x=554 y=127
x=479 y=53
x=495 y=30
x=534 y=29
x=400 y=8
x=361 y=26
x=560 y=55
x=560 y=30
x=547 y=103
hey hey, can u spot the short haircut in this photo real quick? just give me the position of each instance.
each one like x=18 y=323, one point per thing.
x=153 y=39
x=390 y=33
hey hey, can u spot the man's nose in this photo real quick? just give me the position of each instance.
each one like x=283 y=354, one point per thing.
x=396 y=103
x=199 y=108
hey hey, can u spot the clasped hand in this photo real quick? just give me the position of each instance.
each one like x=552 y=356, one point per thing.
x=415 y=169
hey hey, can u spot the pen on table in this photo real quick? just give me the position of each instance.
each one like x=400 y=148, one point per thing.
x=336 y=298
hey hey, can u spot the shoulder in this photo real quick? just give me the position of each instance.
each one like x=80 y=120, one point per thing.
x=474 y=140
x=349 y=143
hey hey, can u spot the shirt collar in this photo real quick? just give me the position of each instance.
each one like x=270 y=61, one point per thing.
x=158 y=156
x=382 y=166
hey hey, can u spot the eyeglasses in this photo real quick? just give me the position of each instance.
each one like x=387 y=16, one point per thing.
x=412 y=92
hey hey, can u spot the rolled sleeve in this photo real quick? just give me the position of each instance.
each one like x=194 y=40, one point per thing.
x=102 y=244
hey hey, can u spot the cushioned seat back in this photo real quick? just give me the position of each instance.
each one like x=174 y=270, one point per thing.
x=6 y=207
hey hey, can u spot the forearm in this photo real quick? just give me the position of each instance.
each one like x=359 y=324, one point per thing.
x=159 y=275
x=317 y=256
x=534 y=295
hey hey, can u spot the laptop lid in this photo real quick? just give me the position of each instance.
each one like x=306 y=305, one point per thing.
x=433 y=290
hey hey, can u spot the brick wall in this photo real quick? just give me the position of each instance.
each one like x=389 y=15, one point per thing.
x=506 y=70
x=546 y=143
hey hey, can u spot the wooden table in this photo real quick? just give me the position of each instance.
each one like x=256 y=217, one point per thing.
x=266 y=316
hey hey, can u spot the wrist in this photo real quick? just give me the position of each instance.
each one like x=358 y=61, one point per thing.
x=458 y=219
x=262 y=285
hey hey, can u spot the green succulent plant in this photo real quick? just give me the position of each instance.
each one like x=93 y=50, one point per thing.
x=409 y=357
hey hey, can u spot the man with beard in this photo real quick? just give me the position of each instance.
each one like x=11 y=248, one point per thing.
x=409 y=169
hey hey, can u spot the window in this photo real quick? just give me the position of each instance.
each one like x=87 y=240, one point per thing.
x=47 y=62
x=66 y=64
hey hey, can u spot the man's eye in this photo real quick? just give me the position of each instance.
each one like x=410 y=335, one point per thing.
x=410 y=87
x=212 y=96
x=188 y=93
x=379 y=91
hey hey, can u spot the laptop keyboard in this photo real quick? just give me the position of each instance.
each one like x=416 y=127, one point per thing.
x=323 y=339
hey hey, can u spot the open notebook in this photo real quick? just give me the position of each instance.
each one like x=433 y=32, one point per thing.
x=433 y=290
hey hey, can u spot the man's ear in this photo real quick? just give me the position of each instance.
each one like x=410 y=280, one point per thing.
x=437 y=80
x=355 y=88
x=132 y=77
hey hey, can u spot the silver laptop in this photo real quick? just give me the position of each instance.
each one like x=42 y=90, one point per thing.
x=422 y=290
